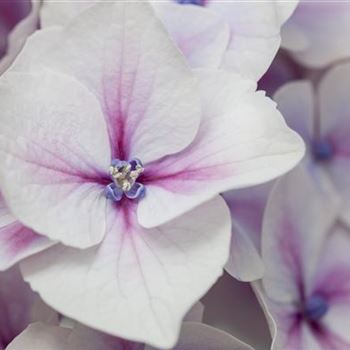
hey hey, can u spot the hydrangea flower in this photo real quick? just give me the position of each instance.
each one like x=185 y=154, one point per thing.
x=194 y=336
x=306 y=284
x=18 y=19
x=112 y=146
x=317 y=33
x=321 y=117
x=19 y=306
x=236 y=35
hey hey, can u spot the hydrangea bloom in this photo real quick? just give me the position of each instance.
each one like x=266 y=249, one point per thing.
x=241 y=36
x=19 y=306
x=306 y=283
x=317 y=34
x=321 y=117
x=112 y=146
x=17 y=22
x=194 y=336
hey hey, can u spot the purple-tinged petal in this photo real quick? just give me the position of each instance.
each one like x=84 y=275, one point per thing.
x=335 y=130
x=55 y=154
x=139 y=283
x=243 y=140
x=17 y=241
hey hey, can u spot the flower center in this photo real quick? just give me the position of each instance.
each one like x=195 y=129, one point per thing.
x=124 y=175
x=315 y=307
x=192 y=2
x=322 y=150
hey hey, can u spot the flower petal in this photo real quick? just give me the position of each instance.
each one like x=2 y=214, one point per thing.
x=298 y=216
x=42 y=337
x=242 y=141
x=201 y=35
x=16 y=241
x=139 y=283
x=54 y=150
x=146 y=90
x=255 y=35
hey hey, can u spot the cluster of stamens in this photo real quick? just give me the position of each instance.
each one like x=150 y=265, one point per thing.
x=124 y=175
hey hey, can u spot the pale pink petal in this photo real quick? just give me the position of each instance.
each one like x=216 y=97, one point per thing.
x=54 y=153
x=17 y=241
x=138 y=284
x=299 y=116
x=242 y=141
x=317 y=32
x=201 y=35
x=299 y=214
x=18 y=36
x=335 y=129
x=123 y=54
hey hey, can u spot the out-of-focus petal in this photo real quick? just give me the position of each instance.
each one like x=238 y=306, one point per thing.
x=242 y=141
x=299 y=116
x=335 y=128
x=317 y=32
x=139 y=283
x=54 y=144
x=19 y=306
x=247 y=209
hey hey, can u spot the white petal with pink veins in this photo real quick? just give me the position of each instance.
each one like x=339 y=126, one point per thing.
x=54 y=144
x=123 y=54
x=139 y=283
x=297 y=208
x=242 y=141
